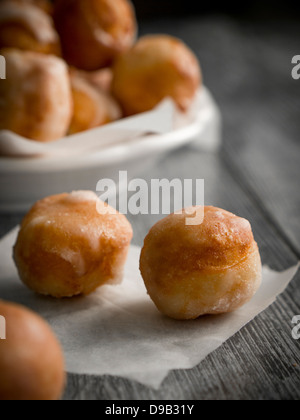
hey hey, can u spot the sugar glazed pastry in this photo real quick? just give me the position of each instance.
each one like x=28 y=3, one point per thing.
x=92 y=106
x=44 y=5
x=212 y=268
x=36 y=100
x=71 y=244
x=100 y=79
x=31 y=359
x=157 y=67
x=27 y=27
x=94 y=32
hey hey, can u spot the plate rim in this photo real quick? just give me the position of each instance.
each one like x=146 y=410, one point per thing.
x=153 y=144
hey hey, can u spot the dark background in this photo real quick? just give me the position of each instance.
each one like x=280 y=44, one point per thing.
x=254 y=10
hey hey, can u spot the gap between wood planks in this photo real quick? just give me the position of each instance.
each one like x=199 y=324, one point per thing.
x=233 y=170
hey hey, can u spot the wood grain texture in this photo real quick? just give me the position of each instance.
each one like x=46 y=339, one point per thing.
x=260 y=362
x=248 y=69
x=256 y=175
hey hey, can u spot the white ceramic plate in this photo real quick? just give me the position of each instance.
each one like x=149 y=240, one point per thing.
x=24 y=181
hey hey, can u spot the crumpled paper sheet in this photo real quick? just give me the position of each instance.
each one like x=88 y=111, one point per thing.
x=158 y=121
x=118 y=331
x=203 y=119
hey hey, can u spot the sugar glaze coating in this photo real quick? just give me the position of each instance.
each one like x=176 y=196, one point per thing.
x=191 y=271
x=71 y=244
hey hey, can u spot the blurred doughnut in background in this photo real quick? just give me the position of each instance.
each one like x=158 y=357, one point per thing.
x=36 y=100
x=45 y=5
x=157 y=67
x=27 y=27
x=31 y=358
x=94 y=32
x=110 y=74
x=93 y=107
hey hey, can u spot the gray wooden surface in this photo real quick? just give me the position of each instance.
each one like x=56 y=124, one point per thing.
x=256 y=175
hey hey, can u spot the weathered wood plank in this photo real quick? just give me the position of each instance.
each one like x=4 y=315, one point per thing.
x=248 y=69
x=254 y=362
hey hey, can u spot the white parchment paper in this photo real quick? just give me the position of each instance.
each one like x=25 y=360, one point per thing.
x=118 y=331
x=201 y=123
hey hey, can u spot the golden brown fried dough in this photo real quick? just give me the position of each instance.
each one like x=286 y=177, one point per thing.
x=31 y=359
x=27 y=27
x=44 y=5
x=36 y=100
x=92 y=107
x=71 y=244
x=94 y=32
x=155 y=68
x=191 y=271
x=100 y=79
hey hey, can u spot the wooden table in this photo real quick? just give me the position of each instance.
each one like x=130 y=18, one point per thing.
x=255 y=175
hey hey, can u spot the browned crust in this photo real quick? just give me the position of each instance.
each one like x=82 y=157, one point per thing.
x=36 y=100
x=65 y=247
x=156 y=67
x=44 y=5
x=220 y=242
x=31 y=359
x=92 y=106
x=93 y=32
x=211 y=268
x=26 y=27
